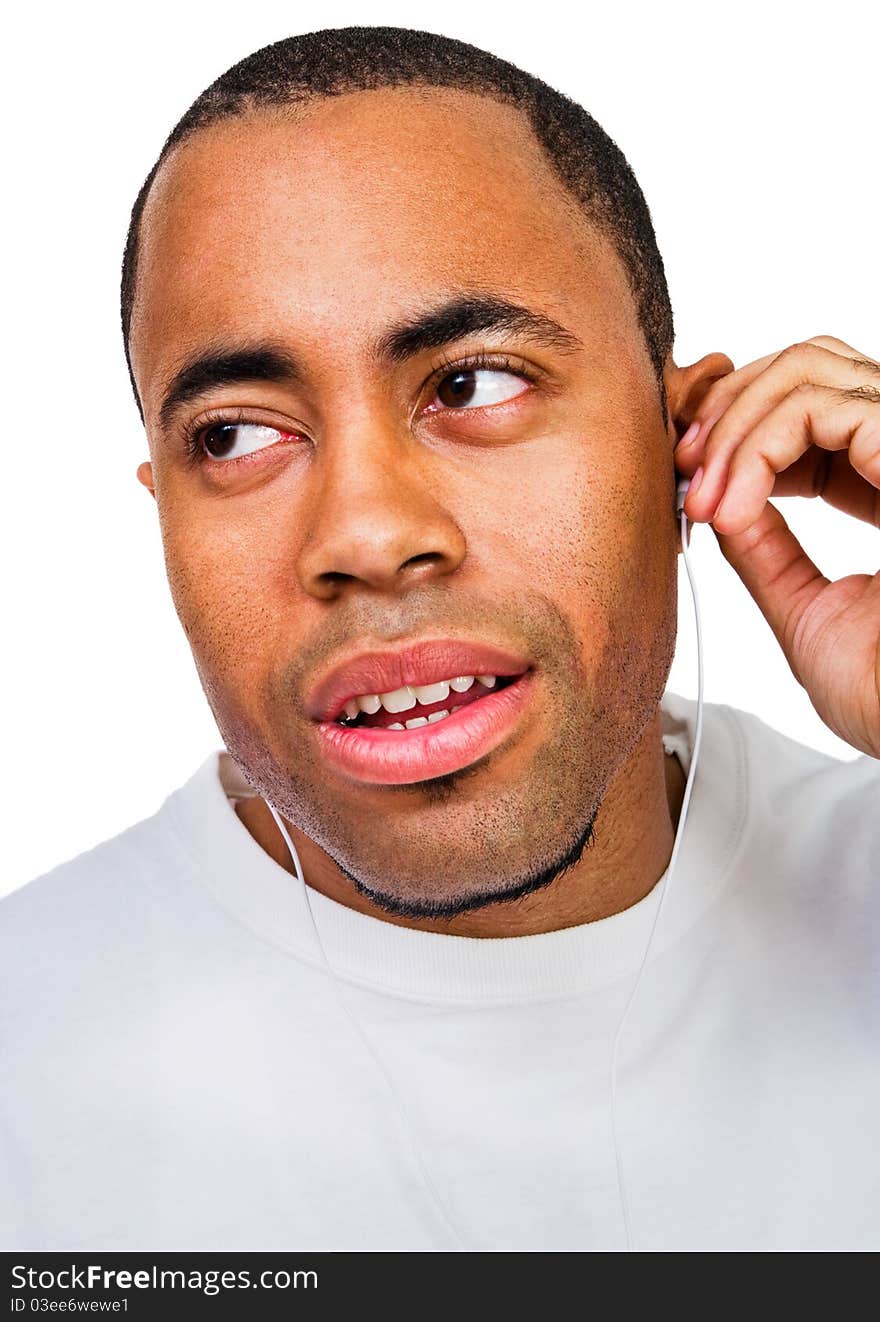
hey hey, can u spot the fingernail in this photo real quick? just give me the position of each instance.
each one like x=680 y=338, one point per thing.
x=695 y=481
x=689 y=437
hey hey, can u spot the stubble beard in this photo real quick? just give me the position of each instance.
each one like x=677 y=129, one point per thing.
x=463 y=847
x=467 y=847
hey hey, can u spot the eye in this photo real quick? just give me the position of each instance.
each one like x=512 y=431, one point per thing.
x=231 y=440
x=474 y=387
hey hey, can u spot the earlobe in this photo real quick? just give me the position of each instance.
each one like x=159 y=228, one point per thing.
x=145 y=477
x=686 y=386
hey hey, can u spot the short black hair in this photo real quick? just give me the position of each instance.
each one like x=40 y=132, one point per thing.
x=334 y=61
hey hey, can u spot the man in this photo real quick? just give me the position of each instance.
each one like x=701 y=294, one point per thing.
x=401 y=340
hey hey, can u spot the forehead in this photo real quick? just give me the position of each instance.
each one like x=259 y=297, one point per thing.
x=337 y=216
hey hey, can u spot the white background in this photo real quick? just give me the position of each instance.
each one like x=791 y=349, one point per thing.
x=753 y=132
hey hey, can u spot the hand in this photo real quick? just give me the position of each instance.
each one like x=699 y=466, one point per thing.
x=804 y=422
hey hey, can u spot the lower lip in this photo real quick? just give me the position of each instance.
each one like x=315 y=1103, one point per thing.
x=404 y=757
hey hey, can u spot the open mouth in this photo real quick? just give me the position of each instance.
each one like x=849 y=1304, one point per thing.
x=422 y=732
x=433 y=707
x=414 y=706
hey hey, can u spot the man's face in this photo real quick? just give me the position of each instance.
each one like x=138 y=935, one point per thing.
x=453 y=500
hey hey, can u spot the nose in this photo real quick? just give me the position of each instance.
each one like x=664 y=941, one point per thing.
x=376 y=519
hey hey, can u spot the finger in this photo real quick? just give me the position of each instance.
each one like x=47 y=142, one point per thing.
x=778 y=573
x=800 y=364
x=839 y=346
x=735 y=402
x=830 y=475
x=724 y=390
x=734 y=491
x=714 y=398
x=815 y=367
x=712 y=403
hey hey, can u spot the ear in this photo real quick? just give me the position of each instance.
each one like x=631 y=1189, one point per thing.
x=145 y=477
x=686 y=386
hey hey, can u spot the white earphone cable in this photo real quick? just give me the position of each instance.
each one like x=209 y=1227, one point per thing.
x=618 y=1036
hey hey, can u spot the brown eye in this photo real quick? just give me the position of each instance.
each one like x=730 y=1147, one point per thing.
x=474 y=387
x=456 y=389
x=230 y=440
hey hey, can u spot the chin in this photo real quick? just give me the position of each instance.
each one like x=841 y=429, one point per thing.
x=443 y=882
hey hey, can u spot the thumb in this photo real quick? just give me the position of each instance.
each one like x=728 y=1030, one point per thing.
x=778 y=573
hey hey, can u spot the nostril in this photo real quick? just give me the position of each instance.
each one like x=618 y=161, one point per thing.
x=333 y=579
x=432 y=558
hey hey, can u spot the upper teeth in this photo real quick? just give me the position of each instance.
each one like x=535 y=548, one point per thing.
x=410 y=695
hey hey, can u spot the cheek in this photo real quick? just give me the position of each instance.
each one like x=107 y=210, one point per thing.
x=588 y=525
x=222 y=578
x=561 y=522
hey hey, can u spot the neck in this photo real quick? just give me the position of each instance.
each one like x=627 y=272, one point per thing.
x=634 y=834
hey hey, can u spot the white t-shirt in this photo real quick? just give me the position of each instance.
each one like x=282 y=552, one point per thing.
x=178 y=1072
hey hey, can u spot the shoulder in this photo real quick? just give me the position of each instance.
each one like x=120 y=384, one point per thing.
x=824 y=809
x=809 y=865
x=781 y=850
x=792 y=814
x=792 y=760
x=61 y=931
x=93 y=877
x=783 y=771
x=101 y=910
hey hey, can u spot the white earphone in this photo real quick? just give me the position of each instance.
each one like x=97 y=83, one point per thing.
x=680 y=494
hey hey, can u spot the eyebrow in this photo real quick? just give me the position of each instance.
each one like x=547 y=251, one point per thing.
x=467 y=315
x=224 y=364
